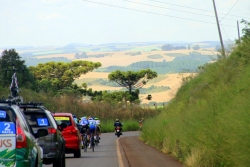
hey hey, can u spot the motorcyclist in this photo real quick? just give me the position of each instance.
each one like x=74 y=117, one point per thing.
x=118 y=123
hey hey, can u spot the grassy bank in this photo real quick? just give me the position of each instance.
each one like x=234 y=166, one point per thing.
x=207 y=124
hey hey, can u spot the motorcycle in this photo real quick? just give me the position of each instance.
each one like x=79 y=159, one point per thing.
x=118 y=131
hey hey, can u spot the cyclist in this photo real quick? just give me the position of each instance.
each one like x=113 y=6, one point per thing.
x=118 y=123
x=98 y=128
x=85 y=126
x=92 y=129
x=75 y=118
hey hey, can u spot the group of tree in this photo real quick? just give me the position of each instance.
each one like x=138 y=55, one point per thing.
x=58 y=78
x=168 y=47
x=80 y=56
x=188 y=63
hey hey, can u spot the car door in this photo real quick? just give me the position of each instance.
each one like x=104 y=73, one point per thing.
x=39 y=120
x=58 y=139
x=31 y=141
x=7 y=137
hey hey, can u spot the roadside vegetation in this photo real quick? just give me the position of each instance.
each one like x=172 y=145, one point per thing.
x=207 y=123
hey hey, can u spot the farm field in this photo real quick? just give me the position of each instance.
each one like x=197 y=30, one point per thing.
x=174 y=81
x=122 y=58
x=121 y=55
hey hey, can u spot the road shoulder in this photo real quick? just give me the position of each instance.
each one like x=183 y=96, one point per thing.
x=135 y=153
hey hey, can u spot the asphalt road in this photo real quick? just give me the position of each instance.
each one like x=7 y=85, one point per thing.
x=126 y=151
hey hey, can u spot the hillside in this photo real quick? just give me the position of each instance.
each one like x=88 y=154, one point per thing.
x=207 y=123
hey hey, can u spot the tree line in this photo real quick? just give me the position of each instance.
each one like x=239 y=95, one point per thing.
x=57 y=78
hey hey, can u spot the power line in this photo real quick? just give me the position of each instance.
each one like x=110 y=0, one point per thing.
x=225 y=33
x=171 y=9
x=229 y=10
x=191 y=8
x=152 y=12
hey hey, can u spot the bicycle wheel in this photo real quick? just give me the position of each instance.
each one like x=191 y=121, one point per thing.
x=85 y=143
x=93 y=142
x=97 y=140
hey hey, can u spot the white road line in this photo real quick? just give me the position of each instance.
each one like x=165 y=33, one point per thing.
x=119 y=154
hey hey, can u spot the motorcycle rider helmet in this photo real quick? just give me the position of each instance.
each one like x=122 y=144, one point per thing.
x=117 y=120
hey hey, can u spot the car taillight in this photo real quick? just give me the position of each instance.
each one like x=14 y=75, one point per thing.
x=51 y=131
x=20 y=136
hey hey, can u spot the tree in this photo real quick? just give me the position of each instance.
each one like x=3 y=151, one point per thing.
x=11 y=62
x=196 y=47
x=132 y=80
x=167 y=47
x=59 y=74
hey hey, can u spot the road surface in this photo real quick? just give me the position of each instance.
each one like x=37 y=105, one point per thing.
x=126 y=151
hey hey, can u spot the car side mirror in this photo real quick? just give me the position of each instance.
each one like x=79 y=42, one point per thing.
x=41 y=133
x=62 y=126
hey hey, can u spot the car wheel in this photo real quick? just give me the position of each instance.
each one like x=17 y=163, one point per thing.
x=37 y=165
x=63 y=158
x=77 y=154
x=60 y=161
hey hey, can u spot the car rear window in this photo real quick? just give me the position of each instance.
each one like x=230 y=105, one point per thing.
x=37 y=119
x=7 y=121
x=61 y=119
x=7 y=115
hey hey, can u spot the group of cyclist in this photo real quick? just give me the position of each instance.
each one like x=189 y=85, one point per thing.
x=89 y=126
x=92 y=126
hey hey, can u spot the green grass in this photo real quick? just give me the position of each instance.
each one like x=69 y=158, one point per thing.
x=207 y=123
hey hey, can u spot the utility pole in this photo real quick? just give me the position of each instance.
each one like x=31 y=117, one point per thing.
x=218 y=25
x=238 y=30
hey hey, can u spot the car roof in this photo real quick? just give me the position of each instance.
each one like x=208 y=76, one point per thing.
x=62 y=114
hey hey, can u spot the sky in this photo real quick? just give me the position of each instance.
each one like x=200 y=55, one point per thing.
x=61 y=22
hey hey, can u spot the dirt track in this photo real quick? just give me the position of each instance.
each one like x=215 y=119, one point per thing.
x=137 y=154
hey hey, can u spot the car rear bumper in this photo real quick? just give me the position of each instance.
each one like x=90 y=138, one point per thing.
x=72 y=143
x=49 y=158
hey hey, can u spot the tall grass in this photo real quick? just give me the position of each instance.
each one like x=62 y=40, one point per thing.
x=107 y=113
x=207 y=124
x=128 y=125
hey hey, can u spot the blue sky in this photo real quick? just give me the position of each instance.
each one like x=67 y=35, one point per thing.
x=60 y=22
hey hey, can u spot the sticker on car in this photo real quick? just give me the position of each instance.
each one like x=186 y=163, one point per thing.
x=42 y=122
x=7 y=142
x=62 y=118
